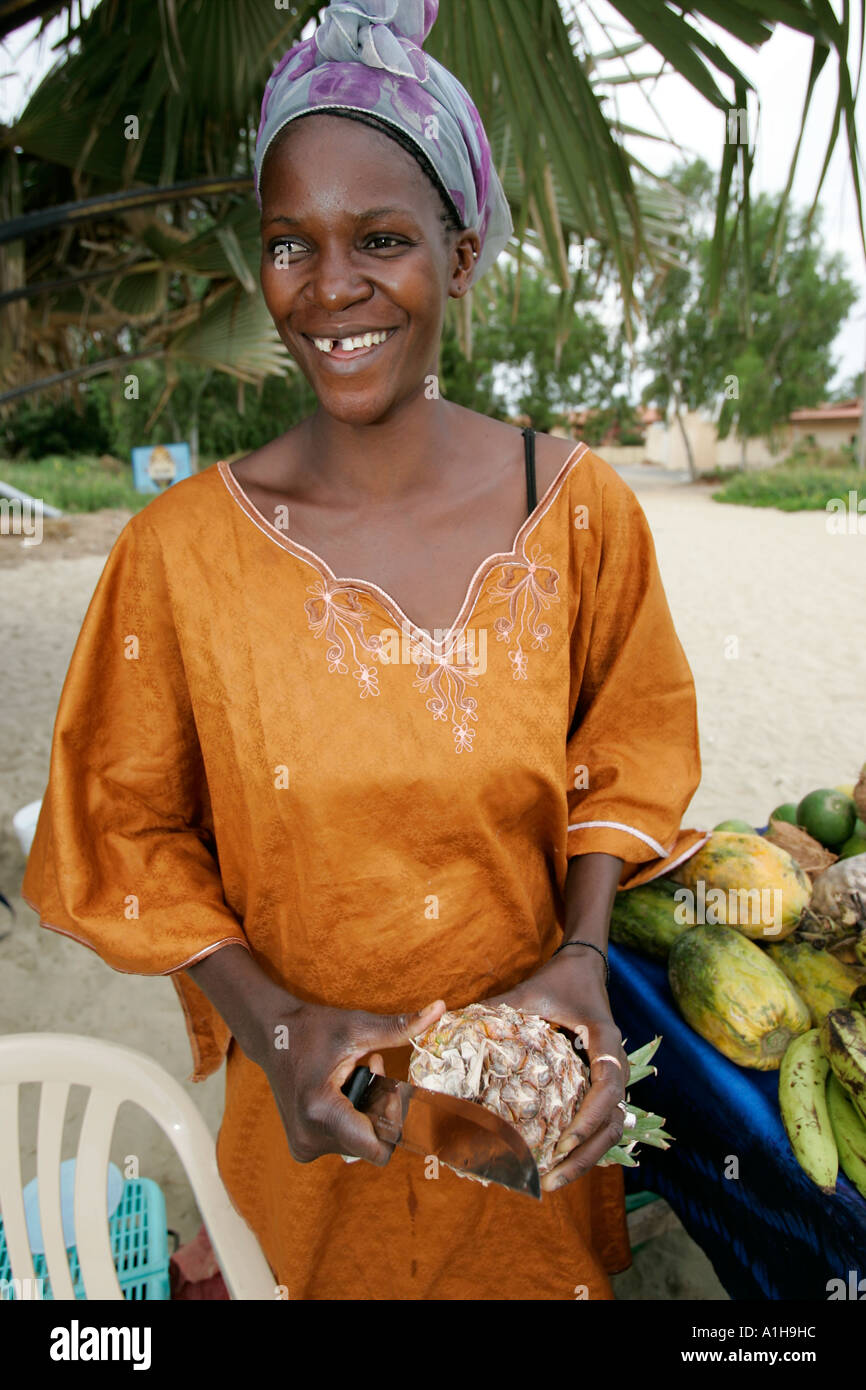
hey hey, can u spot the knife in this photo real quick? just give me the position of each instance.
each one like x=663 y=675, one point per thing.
x=462 y=1134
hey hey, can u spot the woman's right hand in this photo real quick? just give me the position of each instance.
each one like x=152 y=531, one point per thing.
x=310 y=1053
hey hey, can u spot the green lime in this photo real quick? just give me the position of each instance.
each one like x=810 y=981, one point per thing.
x=828 y=816
x=855 y=844
x=787 y=812
x=741 y=827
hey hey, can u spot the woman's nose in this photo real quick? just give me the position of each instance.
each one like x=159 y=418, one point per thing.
x=336 y=281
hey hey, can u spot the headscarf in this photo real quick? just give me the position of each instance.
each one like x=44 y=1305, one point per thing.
x=366 y=57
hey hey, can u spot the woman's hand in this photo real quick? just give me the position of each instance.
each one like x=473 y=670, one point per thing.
x=569 y=990
x=321 y=1048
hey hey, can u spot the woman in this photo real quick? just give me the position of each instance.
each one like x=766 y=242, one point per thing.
x=320 y=802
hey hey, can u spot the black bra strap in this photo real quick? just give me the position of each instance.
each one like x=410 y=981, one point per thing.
x=531 y=494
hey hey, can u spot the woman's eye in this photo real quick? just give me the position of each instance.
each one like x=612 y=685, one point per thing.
x=284 y=247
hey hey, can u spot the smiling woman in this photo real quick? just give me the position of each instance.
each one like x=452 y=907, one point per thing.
x=337 y=268
x=314 y=837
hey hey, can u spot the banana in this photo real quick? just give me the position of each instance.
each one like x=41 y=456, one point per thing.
x=803 y=1103
x=843 y=1040
x=849 y=1131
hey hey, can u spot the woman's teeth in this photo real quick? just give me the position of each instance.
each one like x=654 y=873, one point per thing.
x=365 y=340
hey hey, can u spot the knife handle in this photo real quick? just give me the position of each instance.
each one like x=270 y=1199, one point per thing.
x=357 y=1085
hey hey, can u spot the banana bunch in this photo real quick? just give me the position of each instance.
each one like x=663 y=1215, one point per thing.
x=822 y=1097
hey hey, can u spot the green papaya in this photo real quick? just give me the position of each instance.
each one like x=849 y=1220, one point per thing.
x=645 y=918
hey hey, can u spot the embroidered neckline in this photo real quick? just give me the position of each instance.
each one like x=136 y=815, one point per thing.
x=420 y=635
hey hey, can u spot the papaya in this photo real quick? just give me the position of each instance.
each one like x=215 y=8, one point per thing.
x=731 y=993
x=818 y=977
x=745 y=881
x=645 y=918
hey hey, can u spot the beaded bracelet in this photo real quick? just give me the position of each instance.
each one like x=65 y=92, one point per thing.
x=592 y=948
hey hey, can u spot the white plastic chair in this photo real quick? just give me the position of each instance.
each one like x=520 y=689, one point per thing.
x=114 y=1074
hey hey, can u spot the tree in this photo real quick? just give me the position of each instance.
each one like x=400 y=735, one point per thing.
x=524 y=363
x=850 y=389
x=763 y=365
x=756 y=361
x=675 y=331
x=131 y=193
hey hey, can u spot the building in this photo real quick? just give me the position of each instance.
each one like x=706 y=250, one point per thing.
x=828 y=426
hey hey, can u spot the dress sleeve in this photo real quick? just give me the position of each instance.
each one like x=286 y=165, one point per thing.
x=633 y=759
x=123 y=856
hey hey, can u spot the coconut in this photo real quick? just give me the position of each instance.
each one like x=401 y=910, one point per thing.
x=812 y=857
x=840 y=892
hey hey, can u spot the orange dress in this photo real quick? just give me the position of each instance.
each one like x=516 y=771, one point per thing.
x=250 y=749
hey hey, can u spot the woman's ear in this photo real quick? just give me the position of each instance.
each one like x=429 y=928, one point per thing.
x=465 y=253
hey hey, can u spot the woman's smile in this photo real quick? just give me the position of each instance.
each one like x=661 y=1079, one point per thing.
x=340 y=353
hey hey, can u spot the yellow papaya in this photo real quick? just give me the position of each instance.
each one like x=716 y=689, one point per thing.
x=731 y=993
x=743 y=881
x=818 y=977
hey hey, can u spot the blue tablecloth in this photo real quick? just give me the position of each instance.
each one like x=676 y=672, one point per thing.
x=768 y=1231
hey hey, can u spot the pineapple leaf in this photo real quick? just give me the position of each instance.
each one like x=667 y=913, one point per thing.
x=638 y=1074
x=642 y=1055
x=618 y=1155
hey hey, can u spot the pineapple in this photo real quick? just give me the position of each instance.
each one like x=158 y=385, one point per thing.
x=520 y=1067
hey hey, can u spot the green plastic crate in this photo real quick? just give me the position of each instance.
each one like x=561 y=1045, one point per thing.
x=633 y=1202
x=139 y=1247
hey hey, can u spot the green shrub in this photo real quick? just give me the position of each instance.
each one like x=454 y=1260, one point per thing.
x=792 y=489
x=37 y=427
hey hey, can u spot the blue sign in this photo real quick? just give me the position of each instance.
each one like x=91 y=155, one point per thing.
x=156 y=466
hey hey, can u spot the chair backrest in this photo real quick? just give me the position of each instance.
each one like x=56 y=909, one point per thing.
x=114 y=1074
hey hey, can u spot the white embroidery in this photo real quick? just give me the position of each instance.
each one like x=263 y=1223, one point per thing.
x=450 y=677
x=340 y=612
x=528 y=586
x=337 y=610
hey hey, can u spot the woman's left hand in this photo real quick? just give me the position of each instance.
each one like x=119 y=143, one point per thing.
x=569 y=990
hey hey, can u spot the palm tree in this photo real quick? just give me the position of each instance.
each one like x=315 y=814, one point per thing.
x=129 y=227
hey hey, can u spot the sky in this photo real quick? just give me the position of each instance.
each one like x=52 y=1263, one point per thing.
x=779 y=72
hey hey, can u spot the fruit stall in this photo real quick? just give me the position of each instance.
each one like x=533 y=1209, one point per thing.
x=750 y=961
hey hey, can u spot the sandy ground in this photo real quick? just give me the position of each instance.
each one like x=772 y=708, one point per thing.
x=770 y=611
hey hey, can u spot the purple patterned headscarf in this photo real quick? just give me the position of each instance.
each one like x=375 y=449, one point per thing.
x=366 y=56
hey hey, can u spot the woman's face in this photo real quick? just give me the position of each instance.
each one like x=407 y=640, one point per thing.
x=353 y=244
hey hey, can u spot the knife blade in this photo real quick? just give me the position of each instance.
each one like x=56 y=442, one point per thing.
x=462 y=1134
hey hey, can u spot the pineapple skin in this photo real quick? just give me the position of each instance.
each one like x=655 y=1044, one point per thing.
x=516 y=1064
